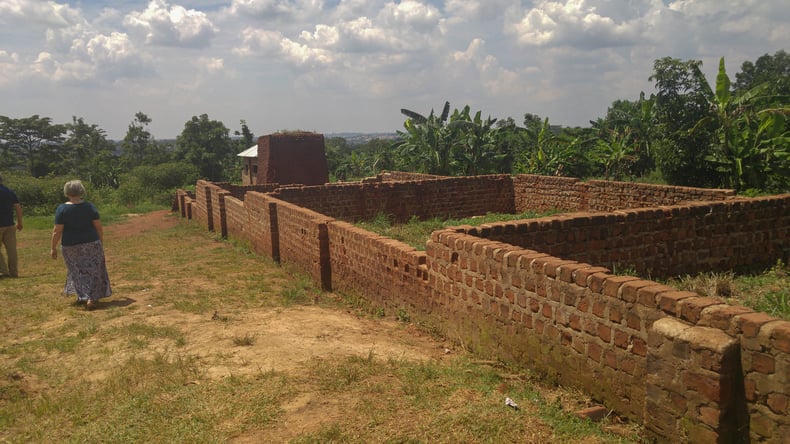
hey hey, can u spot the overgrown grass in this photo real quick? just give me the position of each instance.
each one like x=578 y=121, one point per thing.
x=128 y=372
x=415 y=232
x=768 y=291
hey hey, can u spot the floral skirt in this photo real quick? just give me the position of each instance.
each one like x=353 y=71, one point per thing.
x=86 y=271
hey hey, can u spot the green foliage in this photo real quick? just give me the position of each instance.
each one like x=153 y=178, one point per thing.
x=38 y=196
x=206 y=144
x=30 y=143
x=155 y=184
x=679 y=105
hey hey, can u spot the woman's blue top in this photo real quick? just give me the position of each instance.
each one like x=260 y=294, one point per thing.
x=77 y=220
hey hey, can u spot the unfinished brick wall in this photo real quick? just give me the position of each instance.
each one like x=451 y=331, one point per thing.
x=544 y=193
x=662 y=242
x=449 y=197
x=401 y=276
x=303 y=240
x=262 y=230
x=689 y=367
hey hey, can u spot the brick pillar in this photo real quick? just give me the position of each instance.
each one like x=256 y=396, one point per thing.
x=694 y=389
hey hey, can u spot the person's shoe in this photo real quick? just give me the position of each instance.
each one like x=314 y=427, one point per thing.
x=90 y=305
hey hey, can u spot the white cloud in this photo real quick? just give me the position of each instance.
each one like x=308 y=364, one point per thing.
x=172 y=25
x=42 y=13
x=275 y=10
x=578 y=23
x=566 y=59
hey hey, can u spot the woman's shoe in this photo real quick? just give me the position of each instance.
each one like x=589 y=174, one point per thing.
x=90 y=305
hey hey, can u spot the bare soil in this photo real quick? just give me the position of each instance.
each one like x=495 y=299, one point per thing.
x=283 y=339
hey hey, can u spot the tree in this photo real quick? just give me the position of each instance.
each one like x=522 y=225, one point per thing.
x=88 y=154
x=426 y=145
x=749 y=141
x=138 y=146
x=544 y=150
x=247 y=138
x=207 y=145
x=772 y=70
x=679 y=104
x=31 y=143
x=476 y=143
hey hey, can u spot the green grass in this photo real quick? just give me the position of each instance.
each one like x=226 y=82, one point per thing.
x=416 y=232
x=768 y=291
x=129 y=372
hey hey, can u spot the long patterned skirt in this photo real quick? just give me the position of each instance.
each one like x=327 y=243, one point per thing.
x=86 y=271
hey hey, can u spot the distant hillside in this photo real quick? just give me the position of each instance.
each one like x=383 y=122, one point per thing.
x=360 y=138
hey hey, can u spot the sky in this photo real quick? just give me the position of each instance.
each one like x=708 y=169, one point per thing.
x=335 y=66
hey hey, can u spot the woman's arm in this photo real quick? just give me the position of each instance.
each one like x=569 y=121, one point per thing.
x=57 y=233
x=99 y=229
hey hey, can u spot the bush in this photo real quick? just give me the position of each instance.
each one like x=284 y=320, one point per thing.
x=155 y=183
x=38 y=196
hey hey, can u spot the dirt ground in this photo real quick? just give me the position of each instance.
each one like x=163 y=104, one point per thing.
x=284 y=338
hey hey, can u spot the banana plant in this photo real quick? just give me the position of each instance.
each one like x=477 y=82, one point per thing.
x=750 y=143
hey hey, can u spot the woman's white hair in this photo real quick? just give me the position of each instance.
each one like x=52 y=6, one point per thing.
x=74 y=188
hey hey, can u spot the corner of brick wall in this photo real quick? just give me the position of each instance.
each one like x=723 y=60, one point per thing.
x=766 y=366
x=694 y=388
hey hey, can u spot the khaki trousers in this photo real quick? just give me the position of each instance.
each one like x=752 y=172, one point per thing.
x=8 y=238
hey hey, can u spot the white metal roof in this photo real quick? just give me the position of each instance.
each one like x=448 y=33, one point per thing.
x=249 y=152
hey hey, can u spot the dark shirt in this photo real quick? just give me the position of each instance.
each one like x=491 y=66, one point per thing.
x=7 y=201
x=77 y=221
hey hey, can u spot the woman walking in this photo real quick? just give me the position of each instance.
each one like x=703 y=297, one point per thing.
x=79 y=230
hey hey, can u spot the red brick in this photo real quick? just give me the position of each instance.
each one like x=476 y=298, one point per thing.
x=604 y=332
x=594 y=351
x=629 y=289
x=615 y=313
x=582 y=275
x=709 y=416
x=596 y=282
x=568 y=270
x=691 y=309
x=778 y=403
x=750 y=389
x=751 y=323
x=721 y=316
x=610 y=358
x=639 y=347
x=620 y=339
x=575 y=322
x=611 y=285
x=628 y=365
x=599 y=308
x=548 y=311
x=633 y=321
x=648 y=296
x=669 y=301
x=706 y=386
x=763 y=363
x=781 y=337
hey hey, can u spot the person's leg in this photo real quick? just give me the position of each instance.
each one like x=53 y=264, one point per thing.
x=4 y=242
x=10 y=249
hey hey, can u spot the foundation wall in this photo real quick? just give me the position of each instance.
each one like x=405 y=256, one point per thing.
x=540 y=293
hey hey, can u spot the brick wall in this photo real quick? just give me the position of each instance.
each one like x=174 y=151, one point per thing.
x=544 y=193
x=449 y=197
x=663 y=242
x=303 y=241
x=356 y=255
x=262 y=229
x=536 y=292
x=237 y=218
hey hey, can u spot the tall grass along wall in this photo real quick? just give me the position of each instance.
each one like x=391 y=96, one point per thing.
x=541 y=293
